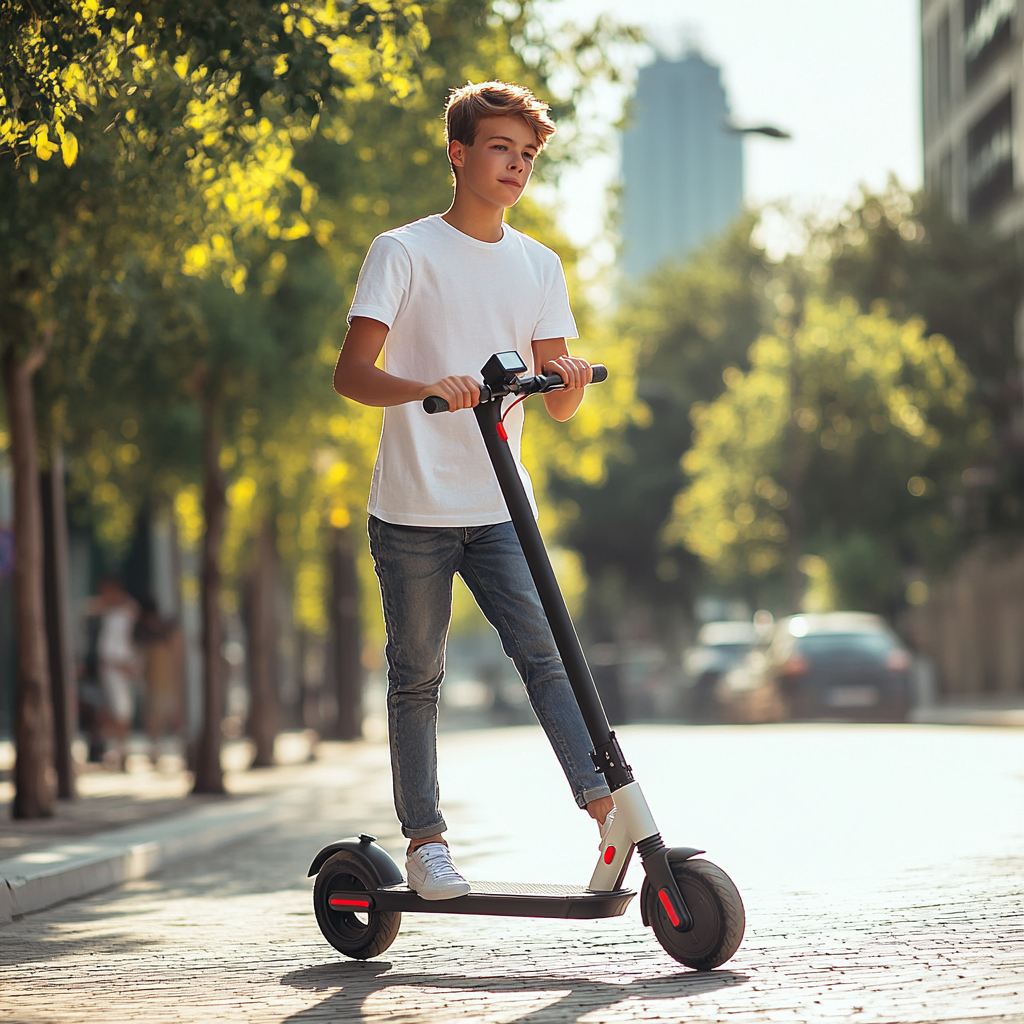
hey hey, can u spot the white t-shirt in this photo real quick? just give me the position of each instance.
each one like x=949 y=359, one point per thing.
x=450 y=301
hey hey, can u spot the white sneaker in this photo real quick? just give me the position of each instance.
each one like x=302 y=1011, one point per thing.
x=432 y=874
x=606 y=827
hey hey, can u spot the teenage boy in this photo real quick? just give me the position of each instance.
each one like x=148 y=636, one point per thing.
x=439 y=296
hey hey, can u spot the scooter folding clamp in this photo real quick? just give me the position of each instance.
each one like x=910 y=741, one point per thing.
x=611 y=762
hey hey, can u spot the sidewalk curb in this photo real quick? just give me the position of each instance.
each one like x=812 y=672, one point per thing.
x=951 y=714
x=35 y=881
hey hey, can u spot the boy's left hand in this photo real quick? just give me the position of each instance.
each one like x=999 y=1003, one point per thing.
x=575 y=372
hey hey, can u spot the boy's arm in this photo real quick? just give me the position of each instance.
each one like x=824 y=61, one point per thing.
x=356 y=375
x=551 y=355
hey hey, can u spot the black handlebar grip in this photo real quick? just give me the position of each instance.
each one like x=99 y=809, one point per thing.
x=435 y=403
x=600 y=373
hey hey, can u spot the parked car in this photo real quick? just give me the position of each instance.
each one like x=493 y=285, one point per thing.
x=846 y=665
x=720 y=645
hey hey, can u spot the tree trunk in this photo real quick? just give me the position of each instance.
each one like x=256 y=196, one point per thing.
x=34 y=795
x=264 y=713
x=58 y=621
x=345 y=655
x=209 y=777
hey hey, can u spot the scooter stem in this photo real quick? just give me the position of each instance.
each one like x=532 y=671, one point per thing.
x=608 y=756
x=637 y=825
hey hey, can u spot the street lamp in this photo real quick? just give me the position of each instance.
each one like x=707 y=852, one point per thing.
x=765 y=129
x=794 y=462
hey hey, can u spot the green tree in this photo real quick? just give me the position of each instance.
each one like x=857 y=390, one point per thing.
x=885 y=427
x=54 y=59
x=966 y=284
x=59 y=59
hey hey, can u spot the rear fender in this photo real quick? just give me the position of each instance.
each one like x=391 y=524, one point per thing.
x=366 y=847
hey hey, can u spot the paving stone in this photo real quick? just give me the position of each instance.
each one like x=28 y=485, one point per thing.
x=864 y=903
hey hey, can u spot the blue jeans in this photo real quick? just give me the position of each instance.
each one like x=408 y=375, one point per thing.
x=416 y=566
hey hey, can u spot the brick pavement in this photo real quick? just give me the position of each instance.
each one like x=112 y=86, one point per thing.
x=901 y=899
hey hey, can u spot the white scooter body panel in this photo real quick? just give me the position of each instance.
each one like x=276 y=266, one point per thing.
x=632 y=823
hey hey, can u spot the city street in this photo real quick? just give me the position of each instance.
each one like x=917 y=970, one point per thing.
x=882 y=869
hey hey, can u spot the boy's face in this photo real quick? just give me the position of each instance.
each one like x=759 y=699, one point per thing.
x=498 y=165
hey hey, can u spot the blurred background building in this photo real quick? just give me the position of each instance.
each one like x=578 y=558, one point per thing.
x=972 y=73
x=973 y=63
x=682 y=170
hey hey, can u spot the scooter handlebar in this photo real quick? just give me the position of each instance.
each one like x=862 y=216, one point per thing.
x=435 y=403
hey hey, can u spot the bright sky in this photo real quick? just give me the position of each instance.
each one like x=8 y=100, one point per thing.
x=843 y=76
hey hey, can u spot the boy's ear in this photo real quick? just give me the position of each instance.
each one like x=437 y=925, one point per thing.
x=456 y=153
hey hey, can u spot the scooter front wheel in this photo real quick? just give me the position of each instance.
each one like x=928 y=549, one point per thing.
x=717 y=911
x=358 y=935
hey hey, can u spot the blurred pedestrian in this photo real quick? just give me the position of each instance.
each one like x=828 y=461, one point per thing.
x=118 y=663
x=161 y=646
x=92 y=708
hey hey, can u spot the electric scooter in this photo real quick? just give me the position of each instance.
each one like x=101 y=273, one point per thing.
x=692 y=906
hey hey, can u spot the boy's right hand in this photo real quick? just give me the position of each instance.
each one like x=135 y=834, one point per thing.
x=458 y=392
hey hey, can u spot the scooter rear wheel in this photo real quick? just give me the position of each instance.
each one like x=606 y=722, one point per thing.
x=717 y=911
x=358 y=935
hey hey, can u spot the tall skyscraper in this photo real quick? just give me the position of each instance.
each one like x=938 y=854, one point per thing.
x=682 y=171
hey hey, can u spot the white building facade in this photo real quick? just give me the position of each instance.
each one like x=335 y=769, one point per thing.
x=973 y=75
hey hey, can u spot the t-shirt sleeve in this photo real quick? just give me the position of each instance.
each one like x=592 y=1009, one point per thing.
x=556 y=319
x=383 y=286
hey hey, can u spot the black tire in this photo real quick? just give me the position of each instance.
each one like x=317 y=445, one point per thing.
x=360 y=936
x=718 y=916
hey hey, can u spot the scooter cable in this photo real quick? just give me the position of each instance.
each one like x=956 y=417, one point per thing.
x=502 y=432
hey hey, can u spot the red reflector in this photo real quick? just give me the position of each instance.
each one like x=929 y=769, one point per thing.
x=609 y=855
x=666 y=902
x=364 y=904
x=502 y=433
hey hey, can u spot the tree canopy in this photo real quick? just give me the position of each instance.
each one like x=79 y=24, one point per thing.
x=884 y=425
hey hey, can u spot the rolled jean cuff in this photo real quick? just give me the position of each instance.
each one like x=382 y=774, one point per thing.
x=425 y=833
x=593 y=794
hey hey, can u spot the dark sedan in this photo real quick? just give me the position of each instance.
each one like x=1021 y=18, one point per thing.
x=720 y=645
x=847 y=665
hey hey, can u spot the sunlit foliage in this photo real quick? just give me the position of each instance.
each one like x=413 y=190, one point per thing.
x=55 y=59
x=880 y=415
x=965 y=283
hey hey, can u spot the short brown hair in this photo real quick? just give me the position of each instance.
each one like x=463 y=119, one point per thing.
x=468 y=105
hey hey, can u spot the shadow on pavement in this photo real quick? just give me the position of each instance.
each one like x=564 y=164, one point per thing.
x=360 y=980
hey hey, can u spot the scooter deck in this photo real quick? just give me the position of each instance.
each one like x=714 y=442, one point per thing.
x=498 y=899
